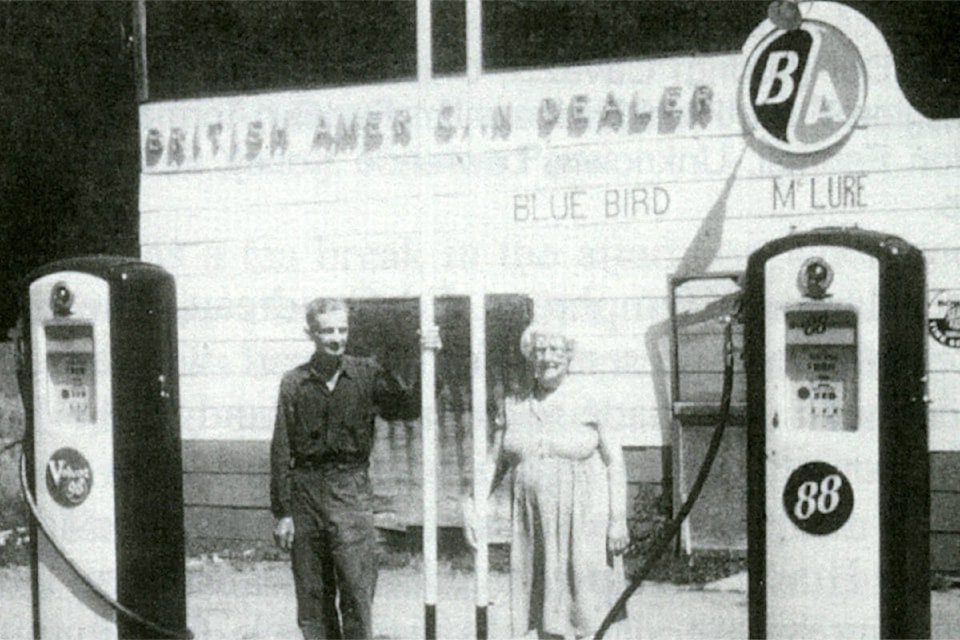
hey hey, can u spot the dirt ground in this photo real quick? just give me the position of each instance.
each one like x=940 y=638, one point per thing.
x=255 y=601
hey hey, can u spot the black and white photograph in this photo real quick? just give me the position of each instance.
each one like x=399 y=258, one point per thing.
x=479 y=319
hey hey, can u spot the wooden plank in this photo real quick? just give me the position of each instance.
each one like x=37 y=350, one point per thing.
x=941 y=272
x=693 y=295
x=226 y=456
x=944 y=431
x=616 y=354
x=227 y=490
x=613 y=316
x=709 y=323
x=228 y=389
x=704 y=352
x=695 y=414
x=943 y=387
x=644 y=464
x=219 y=522
x=222 y=423
x=200 y=324
x=634 y=390
x=719 y=518
x=707 y=387
x=255 y=358
x=945 y=552
x=945 y=512
x=945 y=471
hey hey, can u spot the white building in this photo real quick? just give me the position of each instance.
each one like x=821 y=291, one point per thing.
x=585 y=188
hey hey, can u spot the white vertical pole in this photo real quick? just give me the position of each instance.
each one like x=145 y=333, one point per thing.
x=481 y=482
x=478 y=338
x=428 y=418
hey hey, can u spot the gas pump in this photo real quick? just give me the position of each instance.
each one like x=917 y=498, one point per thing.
x=838 y=484
x=102 y=451
x=838 y=489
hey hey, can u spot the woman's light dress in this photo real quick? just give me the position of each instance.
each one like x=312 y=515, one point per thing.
x=563 y=581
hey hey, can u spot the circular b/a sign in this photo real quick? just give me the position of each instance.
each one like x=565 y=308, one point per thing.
x=69 y=477
x=943 y=318
x=803 y=90
x=818 y=498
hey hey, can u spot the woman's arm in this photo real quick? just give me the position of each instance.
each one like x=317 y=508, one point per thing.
x=612 y=453
x=502 y=460
x=502 y=463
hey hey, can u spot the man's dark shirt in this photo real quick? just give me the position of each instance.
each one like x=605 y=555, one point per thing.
x=316 y=426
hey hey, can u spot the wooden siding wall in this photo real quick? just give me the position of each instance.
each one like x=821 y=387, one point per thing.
x=226 y=490
x=945 y=511
x=227 y=494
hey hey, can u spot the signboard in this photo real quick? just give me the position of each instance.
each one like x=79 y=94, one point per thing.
x=944 y=318
x=804 y=90
x=617 y=102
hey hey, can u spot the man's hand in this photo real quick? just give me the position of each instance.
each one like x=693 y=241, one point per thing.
x=430 y=339
x=469 y=523
x=283 y=533
x=617 y=536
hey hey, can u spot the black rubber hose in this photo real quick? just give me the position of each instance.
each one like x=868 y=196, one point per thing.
x=673 y=527
x=10 y=445
x=160 y=630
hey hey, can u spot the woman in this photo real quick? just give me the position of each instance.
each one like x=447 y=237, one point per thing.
x=569 y=500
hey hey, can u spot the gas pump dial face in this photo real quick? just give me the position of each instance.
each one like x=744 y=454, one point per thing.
x=818 y=498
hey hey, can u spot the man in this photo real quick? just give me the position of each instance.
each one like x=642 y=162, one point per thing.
x=319 y=486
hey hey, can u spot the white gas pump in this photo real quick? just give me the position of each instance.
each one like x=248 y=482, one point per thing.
x=103 y=451
x=838 y=487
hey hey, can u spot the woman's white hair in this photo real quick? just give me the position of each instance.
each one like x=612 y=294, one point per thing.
x=546 y=329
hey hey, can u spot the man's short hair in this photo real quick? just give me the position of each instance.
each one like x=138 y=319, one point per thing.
x=319 y=306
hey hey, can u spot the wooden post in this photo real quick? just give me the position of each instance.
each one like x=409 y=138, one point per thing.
x=481 y=481
x=427 y=321
x=478 y=338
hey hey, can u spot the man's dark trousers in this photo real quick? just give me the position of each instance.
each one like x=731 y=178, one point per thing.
x=334 y=551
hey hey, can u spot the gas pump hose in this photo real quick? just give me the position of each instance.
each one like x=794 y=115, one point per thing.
x=162 y=631
x=673 y=527
x=10 y=445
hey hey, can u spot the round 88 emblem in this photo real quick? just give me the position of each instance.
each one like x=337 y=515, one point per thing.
x=818 y=498
x=803 y=90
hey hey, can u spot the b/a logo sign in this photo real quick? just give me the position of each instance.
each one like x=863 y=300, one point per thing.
x=803 y=90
